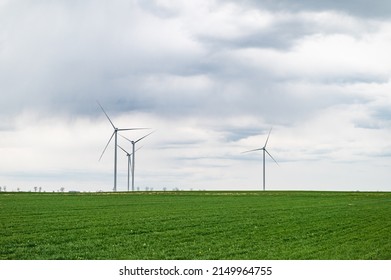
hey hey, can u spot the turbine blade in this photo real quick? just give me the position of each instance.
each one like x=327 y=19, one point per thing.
x=126 y=138
x=131 y=141
x=106 y=114
x=271 y=157
x=268 y=137
x=260 y=149
x=107 y=145
x=124 y=129
x=143 y=137
x=136 y=150
x=123 y=149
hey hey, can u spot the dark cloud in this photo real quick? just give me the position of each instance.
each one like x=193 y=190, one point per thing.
x=130 y=57
x=282 y=34
x=380 y=118
x=59 y=59
x=362 y=8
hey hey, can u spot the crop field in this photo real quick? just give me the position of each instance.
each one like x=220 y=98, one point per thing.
x=196 y=225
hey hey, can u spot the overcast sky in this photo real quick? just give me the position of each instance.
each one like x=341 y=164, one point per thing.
x=211 y=77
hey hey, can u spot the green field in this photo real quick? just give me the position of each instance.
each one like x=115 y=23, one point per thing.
x=196 y=225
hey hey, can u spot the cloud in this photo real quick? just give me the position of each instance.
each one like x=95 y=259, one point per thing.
x=169 y=58
x=59 y=57
x=379 y=9
x=211 y=76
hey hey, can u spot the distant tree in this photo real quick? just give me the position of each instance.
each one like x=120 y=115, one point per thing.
x=62 y=189
x=5 y=188
x=35 y=189
x=0 y=189
x=18 y=189
x=40 y=189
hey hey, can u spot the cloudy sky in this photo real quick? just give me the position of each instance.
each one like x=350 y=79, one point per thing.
x=212 y=78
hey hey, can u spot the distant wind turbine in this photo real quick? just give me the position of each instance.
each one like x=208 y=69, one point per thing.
x=115 y=146
x=264 y=155
x=133 y=154
x=129 y=161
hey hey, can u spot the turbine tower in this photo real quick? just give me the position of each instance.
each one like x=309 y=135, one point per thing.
x=134 y=152
x=129 y=161
x=116 y=129
x=264 y=156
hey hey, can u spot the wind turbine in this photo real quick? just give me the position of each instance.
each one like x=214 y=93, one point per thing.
x=116 y=129
x=264 y=156
x=129 y=160
x=134 y=152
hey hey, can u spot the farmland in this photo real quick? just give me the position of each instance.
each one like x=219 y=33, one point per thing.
x=196 y=225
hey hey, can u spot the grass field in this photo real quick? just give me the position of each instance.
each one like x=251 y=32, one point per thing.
x=196 y=225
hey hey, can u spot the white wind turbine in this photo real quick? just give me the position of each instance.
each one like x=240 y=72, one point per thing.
x=116 y=129
x=264 y=156
x=134 y=152
x=129 y=161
